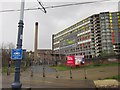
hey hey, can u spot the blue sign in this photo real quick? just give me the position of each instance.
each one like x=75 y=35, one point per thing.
x=16 y=54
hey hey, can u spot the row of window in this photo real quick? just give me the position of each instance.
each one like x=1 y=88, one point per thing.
x=73 y=50
x=107 y=48
x=87 y=27
x=73 y=26
x=85 y=37
x=109 y=16
x=80 y=29
x=116 y=13
x=84 y=51
x=112 y=15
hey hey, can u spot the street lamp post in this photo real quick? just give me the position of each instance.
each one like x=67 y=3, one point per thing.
x=16 y=83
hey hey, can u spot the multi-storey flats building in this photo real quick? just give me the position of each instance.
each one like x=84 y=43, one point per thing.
x=93 y=36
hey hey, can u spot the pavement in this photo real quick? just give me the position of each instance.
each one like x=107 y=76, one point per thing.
x=63 y=81
x=39 y=69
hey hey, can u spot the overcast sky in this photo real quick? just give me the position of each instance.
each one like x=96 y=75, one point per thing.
x=53 y=21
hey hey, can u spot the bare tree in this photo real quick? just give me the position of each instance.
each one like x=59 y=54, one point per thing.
x=0 y=58
x=6 y=52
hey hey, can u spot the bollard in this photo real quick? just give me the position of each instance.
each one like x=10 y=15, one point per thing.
x=56 y=74
x=85 y=71
x=8 y=71
x=71 y=73
x=43 y=71
x=31 y=73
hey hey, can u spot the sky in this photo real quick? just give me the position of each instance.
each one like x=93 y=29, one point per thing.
x=54 y=21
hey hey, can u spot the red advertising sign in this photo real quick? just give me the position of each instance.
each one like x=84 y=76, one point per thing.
x=75 y=60
x=70 y=60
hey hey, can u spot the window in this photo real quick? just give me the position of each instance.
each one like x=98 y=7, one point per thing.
x=118 y=16
x=111 y=27
x=110 y=17
x=104 y=48
x=107 y=26
x=110 y=44
x=104 y=41
x=102 y=17
x=110 y=14
x=111 y=24
x=108 y=30
x=115 y=28
x=118 y=13
x=119 y=26
x=107 y=20
x=83 y=21
x=118 y=20
x=108 y=40
x=102 y=23
x=103 y=30
x=111 y=30
x=110 y=21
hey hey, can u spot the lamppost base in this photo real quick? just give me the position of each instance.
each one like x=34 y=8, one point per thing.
x=16 y=85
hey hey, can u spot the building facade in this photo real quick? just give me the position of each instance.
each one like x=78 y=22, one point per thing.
x=44 y=56
x=95 y=35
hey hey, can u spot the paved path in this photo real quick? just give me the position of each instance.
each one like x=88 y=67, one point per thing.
x=91 y=74
x=64 y=81
x=39 y=69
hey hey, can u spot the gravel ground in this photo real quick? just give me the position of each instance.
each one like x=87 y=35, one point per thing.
x=106 y=83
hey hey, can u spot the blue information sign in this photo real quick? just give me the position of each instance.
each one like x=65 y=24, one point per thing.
x=16 y=54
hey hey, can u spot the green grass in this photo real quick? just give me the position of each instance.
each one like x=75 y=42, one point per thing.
x=111 y=64
x=61 y=68
x=5 y=69
x=64 y=68
x=117 y=77
x=12 y=69
x=102 y=65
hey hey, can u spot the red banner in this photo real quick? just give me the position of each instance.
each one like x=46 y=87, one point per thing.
x=70 y=61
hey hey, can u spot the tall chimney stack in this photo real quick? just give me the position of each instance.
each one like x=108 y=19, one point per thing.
x=36 y=41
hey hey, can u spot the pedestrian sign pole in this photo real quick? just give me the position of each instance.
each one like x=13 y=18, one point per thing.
x=17 y=52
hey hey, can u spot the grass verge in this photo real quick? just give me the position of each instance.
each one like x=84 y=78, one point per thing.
x=64 y=68
x=61 y=68
x=117 y=77
x=12 y=69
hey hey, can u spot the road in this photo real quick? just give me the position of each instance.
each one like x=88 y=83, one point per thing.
x=63 y=80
